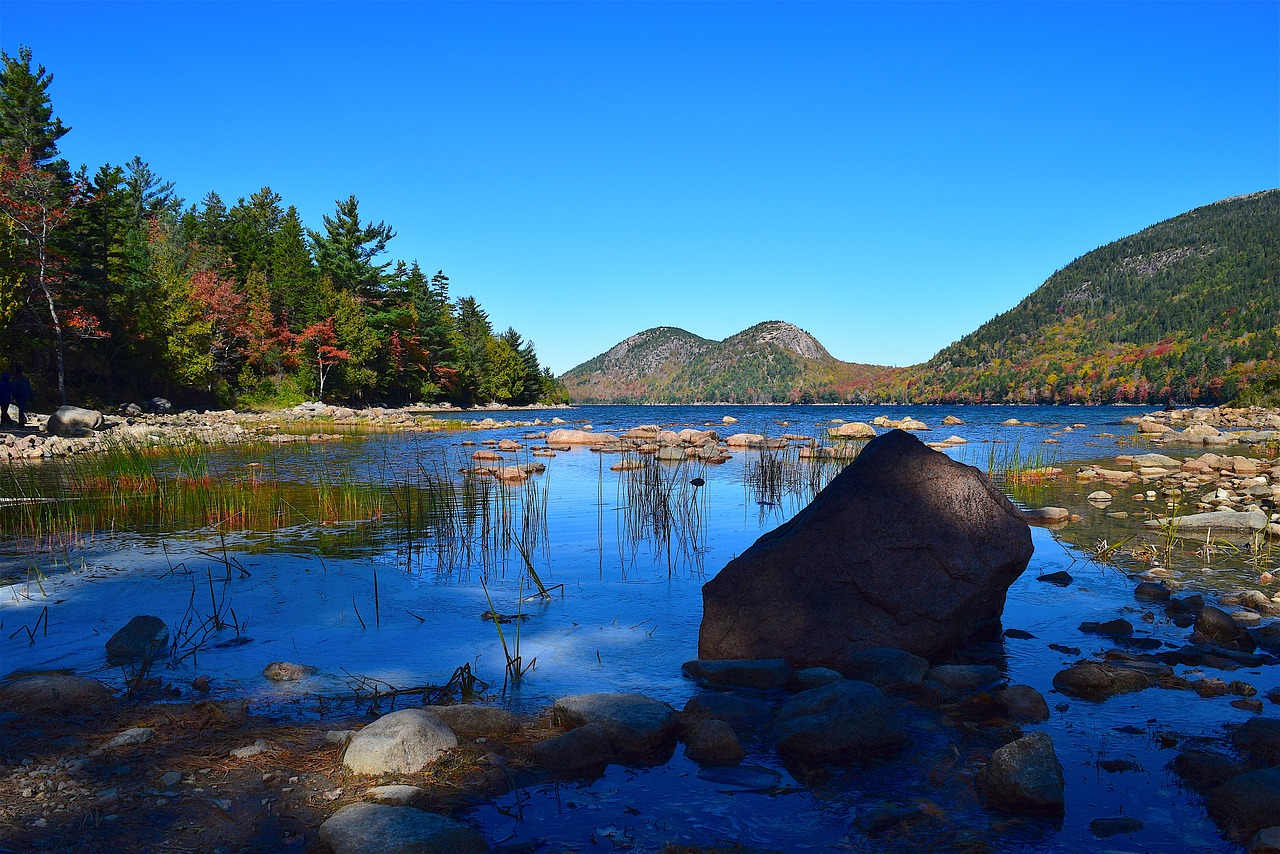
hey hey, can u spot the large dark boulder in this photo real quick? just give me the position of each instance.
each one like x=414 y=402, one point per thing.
x=905 y=548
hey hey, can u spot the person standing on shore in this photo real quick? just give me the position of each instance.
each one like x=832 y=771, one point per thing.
x=6 y=396
x=21 y=393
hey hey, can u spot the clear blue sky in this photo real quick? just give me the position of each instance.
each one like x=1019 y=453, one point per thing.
x=886 y=175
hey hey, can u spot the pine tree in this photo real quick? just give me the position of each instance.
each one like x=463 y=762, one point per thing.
x=295 y=296
x=27 y=123
x=347 y=249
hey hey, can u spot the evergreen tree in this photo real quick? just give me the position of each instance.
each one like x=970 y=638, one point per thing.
x=253 y=225
x=295 y=296
x=473 y=331
x=27 y=123
x=347 y=249
x=148 y=195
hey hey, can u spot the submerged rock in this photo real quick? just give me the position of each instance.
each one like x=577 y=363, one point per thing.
x=764 y=673
x=1246 y=804
x=364 y=827
x=905 y=548
x=1023 y=703
x=1025 y=777
x=1260 y=738
x=841 y=721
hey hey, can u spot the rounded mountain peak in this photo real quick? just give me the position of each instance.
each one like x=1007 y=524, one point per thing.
x=788 y=336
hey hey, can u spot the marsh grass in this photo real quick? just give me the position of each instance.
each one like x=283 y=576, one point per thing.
x=134 y=488
x=663 y=506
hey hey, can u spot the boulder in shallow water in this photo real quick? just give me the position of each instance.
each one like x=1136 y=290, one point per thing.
x=905 y=548
x=139 y=640
x=840 y=721
x=637 y=725
x=1246 y=804
x=1025 y=777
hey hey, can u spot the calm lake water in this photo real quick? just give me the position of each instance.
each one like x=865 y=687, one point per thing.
x=625 y=619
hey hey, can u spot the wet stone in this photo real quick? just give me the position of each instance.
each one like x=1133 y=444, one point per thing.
x=813 y=677
x=1094 y=681
x=841 y=721
x=1023 y=703
x=1061 y=578
x=1205 y=770
x=1246 y=804
x=1024 y=777
x=893 y=671
x=583 y=749
x=1104 y=827
x=284 y=671
x=762 y=674
x=363 y=827
x=1151 y=591
x=1259 y=738
x=139 y=640
x=1113 y=628
x=713 y=742
x=728 y=707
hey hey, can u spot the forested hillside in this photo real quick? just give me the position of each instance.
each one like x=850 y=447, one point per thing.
x=1188 y=309
x=770 y=362
x=113 y=288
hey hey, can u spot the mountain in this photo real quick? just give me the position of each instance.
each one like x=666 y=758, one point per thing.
x=1188 y=309
x=771 y=361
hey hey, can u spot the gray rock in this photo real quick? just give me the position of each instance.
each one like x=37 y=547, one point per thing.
x=894 y=671
x=1023 y=703
x=258 y=748
x=905 y=548
x=132 y=736
x=1216 y=520
x=762 y=673
x=54 y=693
x=1260 y=738
x=361 y=828
x=141 y=639
x=399 y=743
x=73 y=421
x=1046 y=515
x=284 y=671
x=841 y=721
x=1024 y=777
x=477 y=721
x=158 y=405
x=583 y=748
x=1094 y=681
x=636 y=724
x=965 y=678
x=1155 y=460
x=1112 y=628
x=813 y=677
x=398 y=795
x=1246 y=804
x=713 y=742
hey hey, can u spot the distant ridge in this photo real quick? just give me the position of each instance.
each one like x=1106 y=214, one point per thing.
x=1187 y=309
x=773 y=361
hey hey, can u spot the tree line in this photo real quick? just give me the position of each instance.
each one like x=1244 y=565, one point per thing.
x=113 y=288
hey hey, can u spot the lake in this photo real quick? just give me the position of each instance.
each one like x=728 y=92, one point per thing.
x=382 y=601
